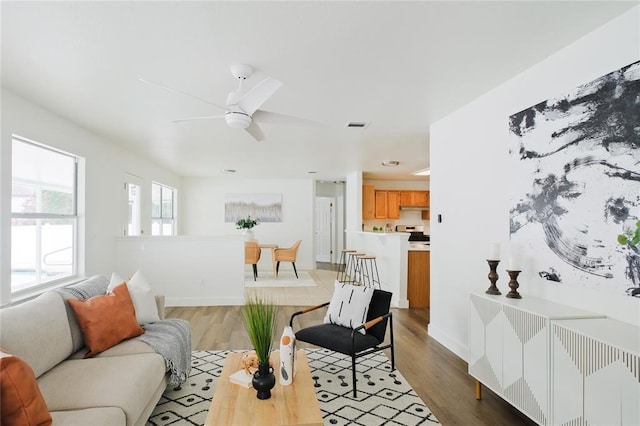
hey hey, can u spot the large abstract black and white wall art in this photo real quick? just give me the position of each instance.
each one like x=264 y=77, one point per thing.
x=576 y=184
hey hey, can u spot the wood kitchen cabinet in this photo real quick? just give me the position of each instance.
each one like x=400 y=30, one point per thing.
x=414 y=198
x=426 y=214
x=418 y=278
x=421 y=198
x=393 y=204
x=387 y=204
x=406 y=198
x=368 y=202
x=381 y=204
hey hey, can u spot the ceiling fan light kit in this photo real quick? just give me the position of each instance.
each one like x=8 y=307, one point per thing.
x=237 y=119
x=241 y=109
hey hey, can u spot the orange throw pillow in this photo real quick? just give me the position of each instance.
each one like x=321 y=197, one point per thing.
x=106 y=320
x=21 y=402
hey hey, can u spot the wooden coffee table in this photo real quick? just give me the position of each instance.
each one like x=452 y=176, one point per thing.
x=295 y=404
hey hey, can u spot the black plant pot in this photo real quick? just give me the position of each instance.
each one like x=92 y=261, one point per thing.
x=263 y=381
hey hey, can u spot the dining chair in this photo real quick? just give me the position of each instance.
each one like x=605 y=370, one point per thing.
x=252 y=256
x=286 y=255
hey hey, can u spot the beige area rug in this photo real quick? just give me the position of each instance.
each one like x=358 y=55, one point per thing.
x=285 y=279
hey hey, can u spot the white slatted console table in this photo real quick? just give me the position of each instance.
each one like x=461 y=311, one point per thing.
x=601 y=359
x=510 y=349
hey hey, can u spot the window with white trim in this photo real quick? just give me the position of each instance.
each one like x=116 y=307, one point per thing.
x=44 y=219
x=162 y=209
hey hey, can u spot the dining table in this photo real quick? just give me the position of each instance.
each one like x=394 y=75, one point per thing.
x=273 y=247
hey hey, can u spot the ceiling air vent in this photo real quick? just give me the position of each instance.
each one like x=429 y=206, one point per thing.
x=357 y=124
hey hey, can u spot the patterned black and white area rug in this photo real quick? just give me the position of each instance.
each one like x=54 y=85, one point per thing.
x=384 y=397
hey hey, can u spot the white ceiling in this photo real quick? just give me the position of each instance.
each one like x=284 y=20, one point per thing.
x=398 y=65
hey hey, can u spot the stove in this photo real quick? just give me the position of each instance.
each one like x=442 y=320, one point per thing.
x=417 y=233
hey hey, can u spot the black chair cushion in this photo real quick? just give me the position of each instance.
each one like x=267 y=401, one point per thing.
x=336 y=338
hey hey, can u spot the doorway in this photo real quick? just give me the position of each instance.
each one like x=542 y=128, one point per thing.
x=133 y=202
x=329 y=221
x=324 y=228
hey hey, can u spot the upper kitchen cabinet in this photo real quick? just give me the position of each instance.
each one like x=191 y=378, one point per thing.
x=426 y=214
x=381 y=204
x=393 y=204
x=421 y=198
x=368 y=202
x=414 y=198
x=387 y=204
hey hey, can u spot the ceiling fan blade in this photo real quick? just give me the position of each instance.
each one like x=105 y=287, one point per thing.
x=180 y=92
x=205 y=117
x=254 y=98
x=287 y=120
x=255 y=131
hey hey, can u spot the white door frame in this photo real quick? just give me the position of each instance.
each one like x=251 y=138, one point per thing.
x=321 y=225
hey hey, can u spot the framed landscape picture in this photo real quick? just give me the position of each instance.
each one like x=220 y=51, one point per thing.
x=264 y=207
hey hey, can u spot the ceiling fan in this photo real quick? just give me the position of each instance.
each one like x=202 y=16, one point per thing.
x=241 y=109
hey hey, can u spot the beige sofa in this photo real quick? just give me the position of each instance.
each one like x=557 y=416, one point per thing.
x=119 y=386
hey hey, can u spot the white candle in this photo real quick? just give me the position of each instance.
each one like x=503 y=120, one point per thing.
x=494 y=251
x=514 y=263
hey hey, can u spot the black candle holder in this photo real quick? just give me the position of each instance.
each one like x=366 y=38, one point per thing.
x=513 y=285
x=493 y=277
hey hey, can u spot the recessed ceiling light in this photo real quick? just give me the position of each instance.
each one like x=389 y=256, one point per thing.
x=357 y=124
x=423 y=172
x=228 y=171
x=312 y=172
x=390 y=163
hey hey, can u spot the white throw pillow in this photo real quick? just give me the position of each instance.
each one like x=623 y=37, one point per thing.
x=144 y=301
x=349 y=305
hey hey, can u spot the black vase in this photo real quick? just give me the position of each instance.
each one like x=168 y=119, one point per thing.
x=263 y=381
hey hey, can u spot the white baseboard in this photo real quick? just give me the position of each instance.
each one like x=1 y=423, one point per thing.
x=403 y=304
x=453 y=345
x=200 y=301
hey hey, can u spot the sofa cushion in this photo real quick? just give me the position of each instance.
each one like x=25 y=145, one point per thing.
x=21 y=402
x=121 y=381
x=126 y=347
x=106 y=320
x=37 y=331
x=100 y=416
x=141 y=295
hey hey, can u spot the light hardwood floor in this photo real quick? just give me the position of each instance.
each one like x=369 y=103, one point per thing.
x=438 y=376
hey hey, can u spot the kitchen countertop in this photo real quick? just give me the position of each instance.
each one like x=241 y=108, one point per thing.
x=419 y=247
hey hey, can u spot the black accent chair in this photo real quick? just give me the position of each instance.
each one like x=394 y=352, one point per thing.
x=350 y=341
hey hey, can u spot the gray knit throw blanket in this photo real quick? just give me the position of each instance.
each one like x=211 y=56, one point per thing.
x=171 y=338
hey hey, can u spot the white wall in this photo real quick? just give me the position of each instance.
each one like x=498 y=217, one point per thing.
x=469 y=184
x=202 y=212
x=188 y=271
x=106 y=165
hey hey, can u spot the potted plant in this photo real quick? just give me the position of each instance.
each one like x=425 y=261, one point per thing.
x=247 y=225
x=259 y=319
